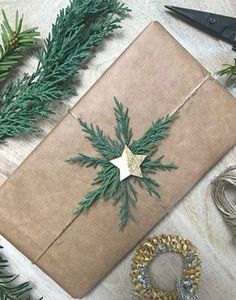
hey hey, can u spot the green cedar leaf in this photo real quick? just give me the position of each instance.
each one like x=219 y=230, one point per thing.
x=78 y=30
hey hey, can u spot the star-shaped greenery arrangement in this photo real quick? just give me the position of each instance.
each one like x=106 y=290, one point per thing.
x=123 y=162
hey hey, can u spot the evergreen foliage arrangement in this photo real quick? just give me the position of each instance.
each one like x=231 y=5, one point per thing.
x=79 y=29
x=14 y=42
x=108 y=181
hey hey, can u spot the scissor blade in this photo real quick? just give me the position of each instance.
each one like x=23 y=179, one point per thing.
x=217 y=25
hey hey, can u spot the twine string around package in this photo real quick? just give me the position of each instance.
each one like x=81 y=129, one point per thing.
x=223 y=203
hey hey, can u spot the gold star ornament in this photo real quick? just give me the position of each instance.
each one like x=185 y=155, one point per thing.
x=129 y=164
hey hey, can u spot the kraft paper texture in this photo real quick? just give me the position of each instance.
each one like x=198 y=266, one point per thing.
x=153 y=77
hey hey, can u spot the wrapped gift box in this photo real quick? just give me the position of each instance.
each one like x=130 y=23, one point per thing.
x=153 y=77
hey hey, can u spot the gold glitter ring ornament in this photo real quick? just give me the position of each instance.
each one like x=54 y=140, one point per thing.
x=186 y=287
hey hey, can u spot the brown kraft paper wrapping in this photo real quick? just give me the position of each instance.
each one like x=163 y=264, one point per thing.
x=153 y=77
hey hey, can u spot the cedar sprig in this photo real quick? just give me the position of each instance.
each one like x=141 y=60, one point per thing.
x=153 y=136
x=10 y=289
x=79 y=29
x=123 y=131
x=229 y=71
x=104 y=145
x=15 y=40
x=109 y=185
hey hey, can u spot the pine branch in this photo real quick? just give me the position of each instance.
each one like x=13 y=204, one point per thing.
x=123 y=132
x=14 y=42
x=79 y=29
x=9 y=289
x=229 y=71
x=153 y=136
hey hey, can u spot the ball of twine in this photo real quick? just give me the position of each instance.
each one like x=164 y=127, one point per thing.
x=226 y=207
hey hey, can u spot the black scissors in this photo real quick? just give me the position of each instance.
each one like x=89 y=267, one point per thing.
x=220 y=26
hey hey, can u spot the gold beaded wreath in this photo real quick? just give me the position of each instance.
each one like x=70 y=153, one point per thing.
x=148 y=251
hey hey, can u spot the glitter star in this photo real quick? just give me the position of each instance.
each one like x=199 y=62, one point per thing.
x=129 y=164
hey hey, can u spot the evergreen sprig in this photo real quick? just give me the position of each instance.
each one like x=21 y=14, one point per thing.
x=123 y=132
x=79 y=29
x=14 y=42
x=9 y=288
x=108 y=181
x=229 y=71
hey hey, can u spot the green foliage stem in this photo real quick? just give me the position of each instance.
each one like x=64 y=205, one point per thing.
x=79 y=29
x=14 y=42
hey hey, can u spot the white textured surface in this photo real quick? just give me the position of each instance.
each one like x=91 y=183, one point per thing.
x=196 y=216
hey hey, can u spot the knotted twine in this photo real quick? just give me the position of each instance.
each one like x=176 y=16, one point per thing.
x=228 y=209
